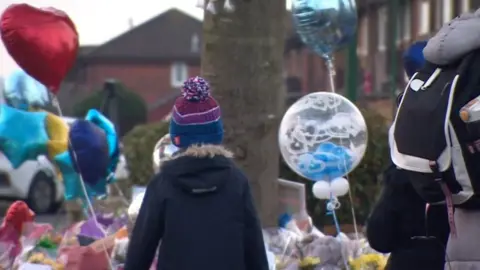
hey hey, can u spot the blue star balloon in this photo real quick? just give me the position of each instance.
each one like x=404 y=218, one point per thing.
x=325 y=25
x=23 y=135
x=92 y=154
x=22 y=91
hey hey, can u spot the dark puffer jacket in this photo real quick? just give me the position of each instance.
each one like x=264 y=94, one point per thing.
x=400 y=224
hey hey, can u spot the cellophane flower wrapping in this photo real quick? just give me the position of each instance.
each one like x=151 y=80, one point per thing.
x=281 y=244
x=39 y=246
x=6 y=260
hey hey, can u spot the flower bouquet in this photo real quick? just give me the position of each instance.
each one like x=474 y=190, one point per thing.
x=40 y=246
x=366 y=258
x=372 y=261
x=281 y=243
x=308 y=260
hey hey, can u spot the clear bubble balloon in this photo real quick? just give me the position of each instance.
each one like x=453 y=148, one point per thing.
x=323 y=136
x=325 y=25
x=164 y=149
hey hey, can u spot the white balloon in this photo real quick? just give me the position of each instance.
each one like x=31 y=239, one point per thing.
x=339 y=186
x=321 y=190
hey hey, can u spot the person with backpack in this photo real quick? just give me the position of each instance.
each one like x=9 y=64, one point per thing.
x=435 y=138
x=199 y=206
x=401 y=223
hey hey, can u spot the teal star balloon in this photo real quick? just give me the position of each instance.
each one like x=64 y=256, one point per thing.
x=23 y=135
x=72 y=181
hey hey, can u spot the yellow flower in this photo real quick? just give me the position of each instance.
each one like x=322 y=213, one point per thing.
x=280 y=264
x=369 y=262
x=309 y=261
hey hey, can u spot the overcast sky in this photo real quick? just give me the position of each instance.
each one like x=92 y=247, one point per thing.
x=101 y=20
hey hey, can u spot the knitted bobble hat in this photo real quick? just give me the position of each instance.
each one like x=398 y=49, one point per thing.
x=413 y=58
x=196 y=117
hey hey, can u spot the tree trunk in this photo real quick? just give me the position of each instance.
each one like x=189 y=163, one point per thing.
x=243 y=61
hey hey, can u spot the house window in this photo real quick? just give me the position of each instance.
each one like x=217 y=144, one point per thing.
x=407 y=20
x=363 y=36
x=382 y=28
x=399 y=25
x=465 y=5
x=195 y=44
x=178 y=74
x=424 y=27
x=447 y=10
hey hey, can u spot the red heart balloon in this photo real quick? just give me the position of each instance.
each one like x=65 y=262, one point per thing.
x=43 y=42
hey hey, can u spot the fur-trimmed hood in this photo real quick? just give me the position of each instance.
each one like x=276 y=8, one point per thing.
x=199 y=169
x=203 y=151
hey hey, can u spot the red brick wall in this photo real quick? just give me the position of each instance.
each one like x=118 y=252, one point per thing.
x=159 y=113
x=152 y=82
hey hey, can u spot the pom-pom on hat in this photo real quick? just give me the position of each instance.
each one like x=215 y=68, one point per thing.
x=196 y=117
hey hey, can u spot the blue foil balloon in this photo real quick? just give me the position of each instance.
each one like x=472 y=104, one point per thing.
x=96 y=150
x=23 y=135
x=22 y=91
x=89 y=145
x=325 y=25
x=112 y=140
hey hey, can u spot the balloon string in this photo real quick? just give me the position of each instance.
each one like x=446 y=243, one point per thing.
x=56 y=104
x=332 y=205
x=122 y=195
x=284 y=252
x=332 y=73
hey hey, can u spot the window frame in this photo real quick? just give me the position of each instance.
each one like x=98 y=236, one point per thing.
x=178 y=74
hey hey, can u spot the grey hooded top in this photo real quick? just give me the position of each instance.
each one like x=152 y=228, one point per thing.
x=454 y=40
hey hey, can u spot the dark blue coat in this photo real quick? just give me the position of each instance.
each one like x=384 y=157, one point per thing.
x=201 y=210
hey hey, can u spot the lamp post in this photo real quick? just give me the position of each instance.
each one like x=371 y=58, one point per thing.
x=393 y=8
x=352 y=71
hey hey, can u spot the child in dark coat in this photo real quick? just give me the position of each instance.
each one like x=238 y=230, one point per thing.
x=199 y=206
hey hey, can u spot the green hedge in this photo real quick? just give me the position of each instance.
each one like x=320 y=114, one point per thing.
x=132 y=109
x=138 y=145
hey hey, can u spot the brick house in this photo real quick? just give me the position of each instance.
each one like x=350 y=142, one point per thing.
x=152 y=59
x=155 y=57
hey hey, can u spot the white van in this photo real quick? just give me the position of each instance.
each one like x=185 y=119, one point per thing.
x=35 y=181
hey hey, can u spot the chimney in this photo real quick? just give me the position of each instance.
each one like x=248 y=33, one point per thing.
x=130 y=24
